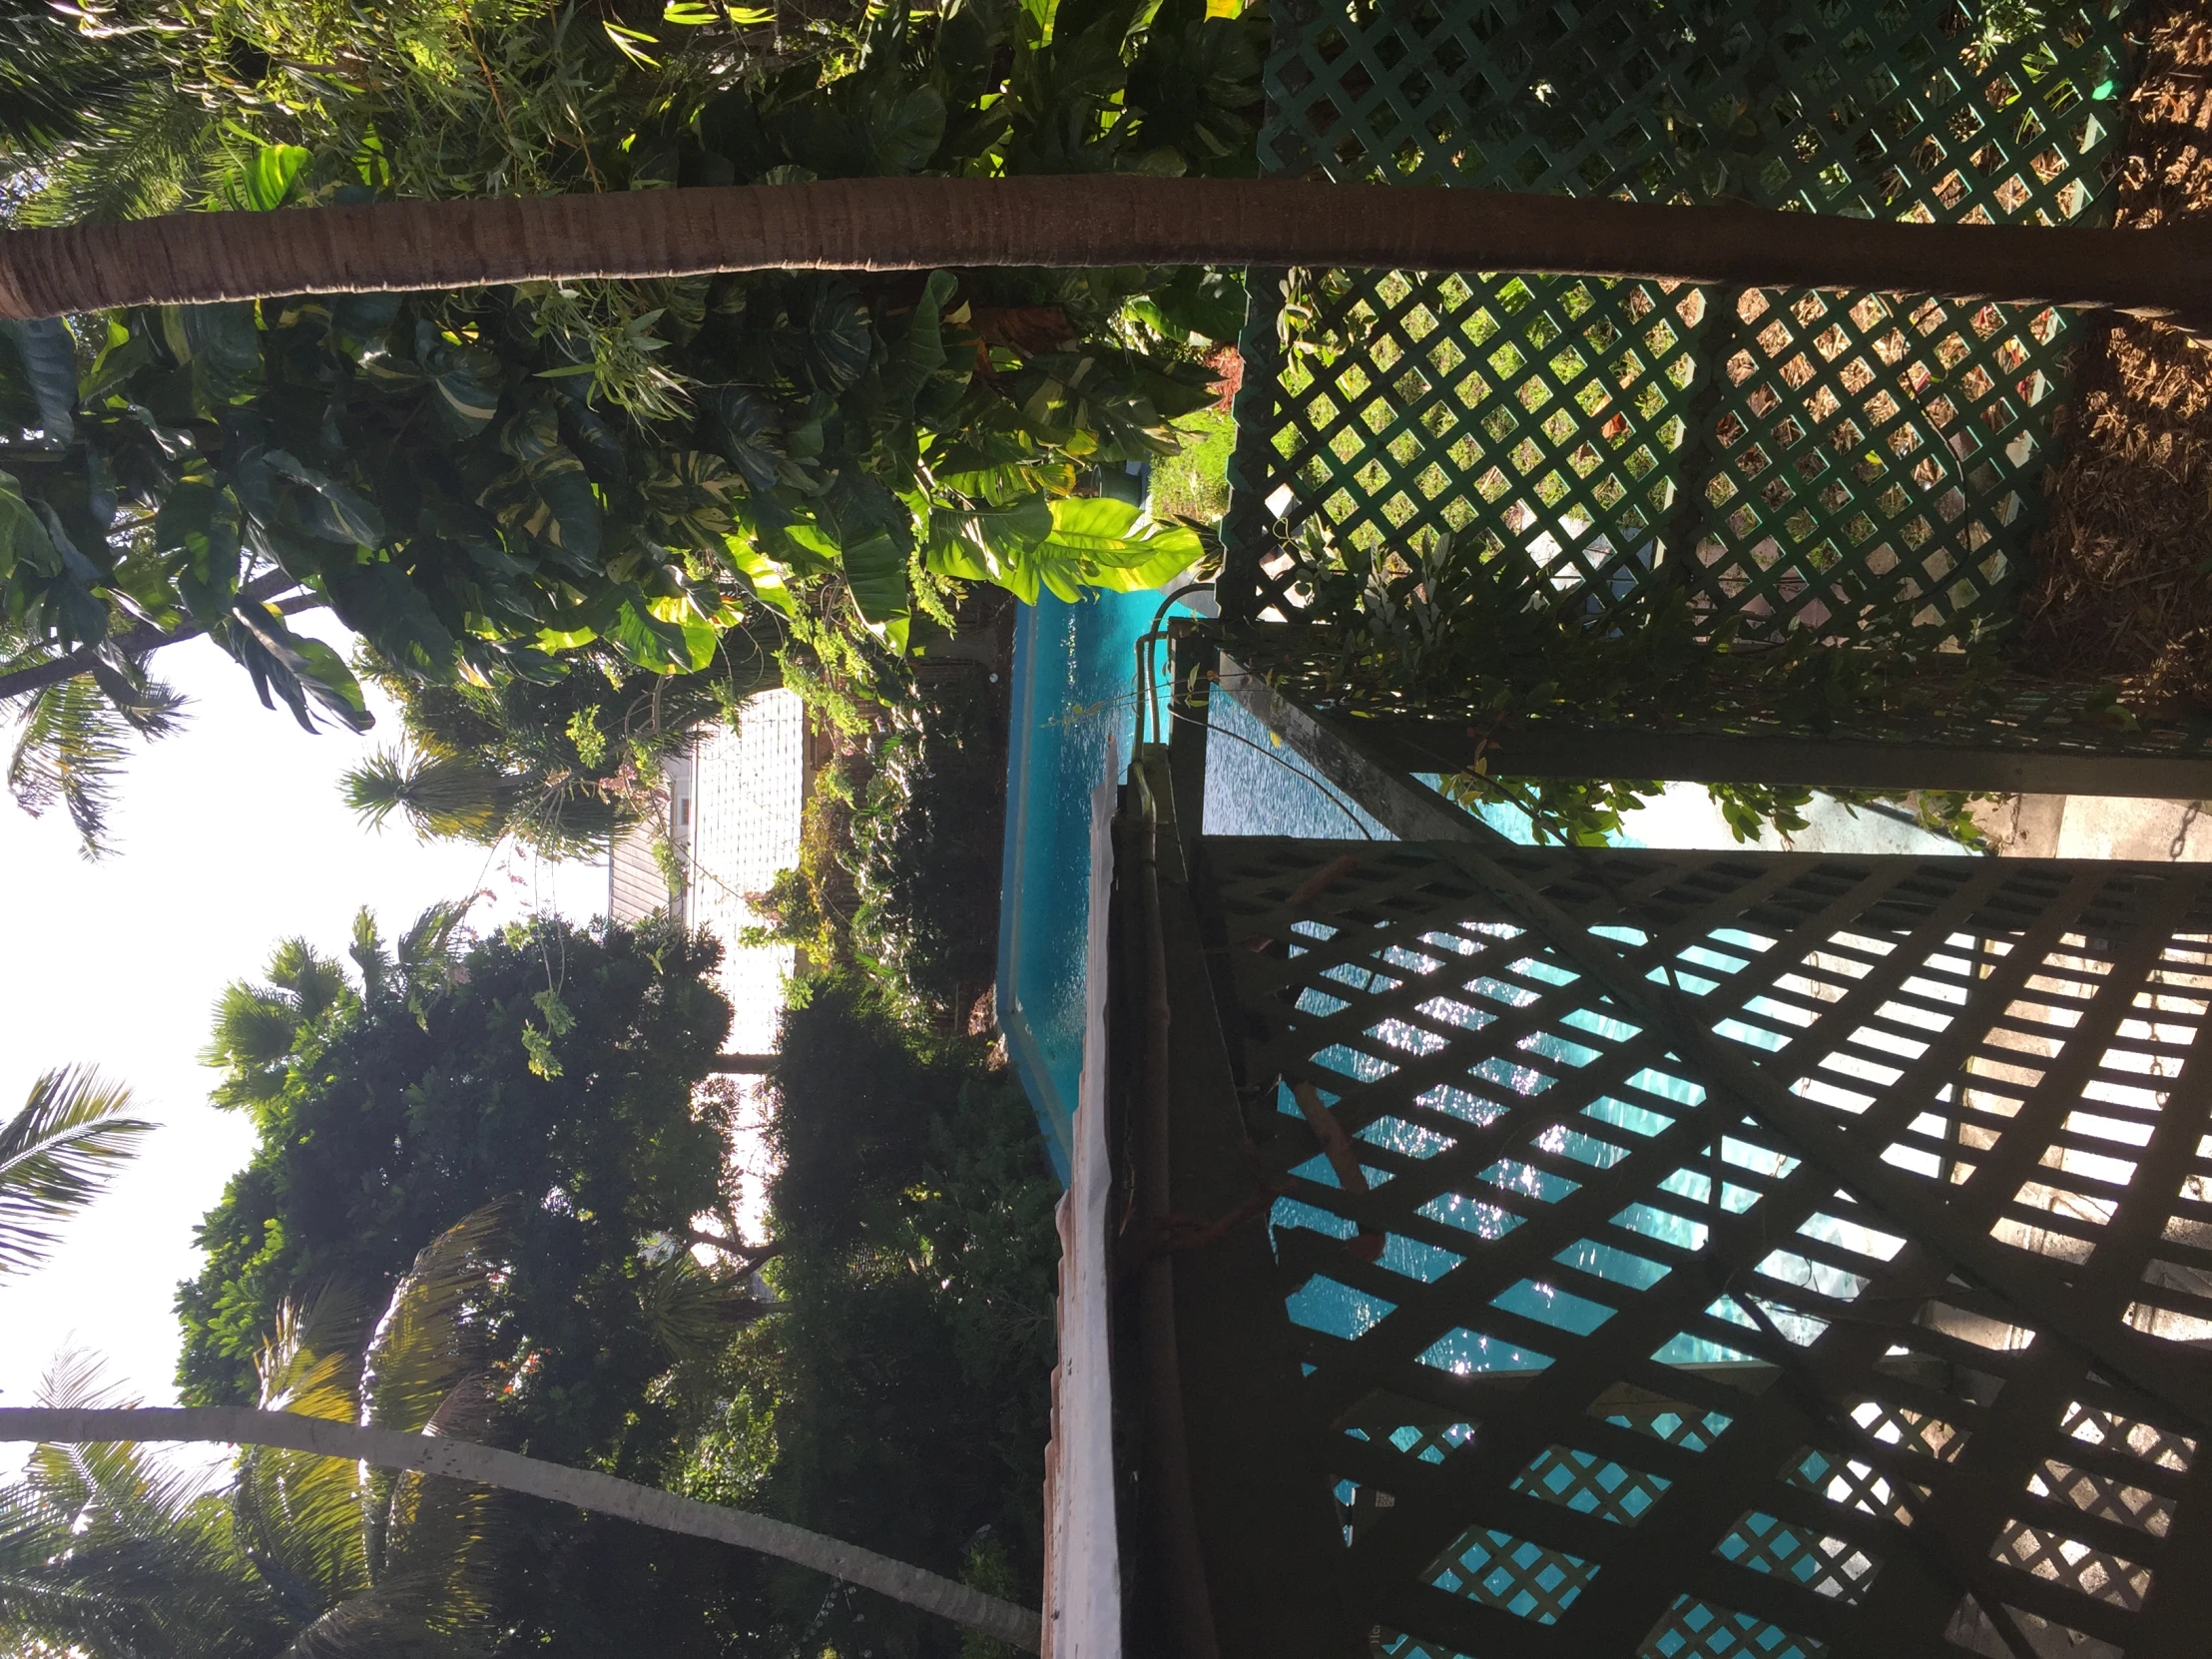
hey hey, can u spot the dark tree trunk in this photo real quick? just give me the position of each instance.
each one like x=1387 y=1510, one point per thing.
x=925 y=224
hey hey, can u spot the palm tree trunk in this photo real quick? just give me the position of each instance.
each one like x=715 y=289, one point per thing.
x=924 y=224
x=510 y=1471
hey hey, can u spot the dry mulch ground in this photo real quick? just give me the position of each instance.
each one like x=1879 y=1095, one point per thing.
x=2123 y=588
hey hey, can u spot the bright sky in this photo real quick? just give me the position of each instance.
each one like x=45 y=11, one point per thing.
x=231 y=836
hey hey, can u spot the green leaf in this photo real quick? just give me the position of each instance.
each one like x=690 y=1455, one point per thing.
x=199 y=526
x=991 y=545
x=874 y=533
x=46 y=353
x=263 y=182
x=295 y=669
x=762 y=575
x=920 y=352
x=384 y=605
x=23 y=537
x=334 y=511
x=222 y=347
x=1198 y=300
x=653 y=644
x=1086 y=542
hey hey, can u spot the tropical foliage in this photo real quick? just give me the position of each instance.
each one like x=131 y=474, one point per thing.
x=56 y=1155
x=107 y=1553
x=899 y=855
x=555 y=764
x=530 y=483
x=550 y=1075
x=552 y=1066
x=900 y=1396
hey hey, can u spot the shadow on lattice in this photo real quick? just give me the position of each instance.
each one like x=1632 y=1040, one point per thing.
x=1564 y=1309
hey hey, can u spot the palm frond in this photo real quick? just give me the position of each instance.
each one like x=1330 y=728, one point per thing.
x=109 y=1551
x=387 y=1621
x=70 y=745
x=314 y=983
x=310 y=1363
x=56 y=85
x=257 y=1026
x=254 y=1032
x=693 y=1313
x=425 y=1344
x=441 y=795
x=426 y=950
x=56 y=1155
x=299 y=1517
x=152 y=154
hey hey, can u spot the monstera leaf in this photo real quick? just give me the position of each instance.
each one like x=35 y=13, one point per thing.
x=835 y=341
x=466 y=381
x=1200 y=301
x=39 y=388
x=295 y=667
x=23 y=537
x=900 y=127
x=549 y=496
x=200 y=528
x=221 y=349
x=744 y=428
x=326 y=508
x=1192 y=85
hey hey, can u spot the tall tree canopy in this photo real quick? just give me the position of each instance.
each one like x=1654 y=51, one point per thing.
x=550 y=1073
x=524 y=483
x=551 y=1068
x=900 y=1395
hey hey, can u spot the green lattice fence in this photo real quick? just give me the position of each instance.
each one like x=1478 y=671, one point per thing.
x=1781 y=454
x=1701 y=1255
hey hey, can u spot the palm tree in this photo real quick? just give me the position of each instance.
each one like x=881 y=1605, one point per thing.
x=922 y=224
x=363 y=1518
x=56 y=1155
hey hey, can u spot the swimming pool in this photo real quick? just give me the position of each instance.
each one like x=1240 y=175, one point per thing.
x=1075 y=689
x=1074 y=692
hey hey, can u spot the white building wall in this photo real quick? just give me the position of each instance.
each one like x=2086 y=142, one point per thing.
x=747 y=788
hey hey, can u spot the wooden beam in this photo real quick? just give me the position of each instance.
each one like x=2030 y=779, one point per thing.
x=1418 y=745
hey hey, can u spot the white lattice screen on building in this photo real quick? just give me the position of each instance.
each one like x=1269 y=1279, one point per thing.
x=748 y=785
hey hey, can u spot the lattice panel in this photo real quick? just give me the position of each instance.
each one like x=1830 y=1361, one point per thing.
x=2013 y=713
x=1842 y=460
x=1636 y=1370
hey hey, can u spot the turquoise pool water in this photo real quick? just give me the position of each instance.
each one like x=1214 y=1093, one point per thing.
x=1074 y=690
